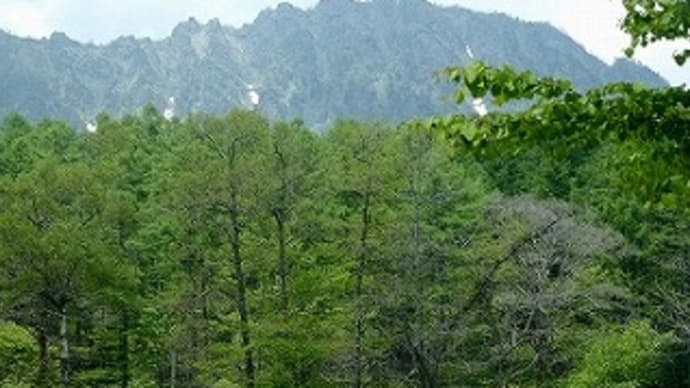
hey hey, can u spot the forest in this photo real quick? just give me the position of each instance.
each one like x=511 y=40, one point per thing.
x=542 y=247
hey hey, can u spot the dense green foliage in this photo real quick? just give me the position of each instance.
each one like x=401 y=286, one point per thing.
x=633 y=358
x=622 y=151
x=548 y=246
x=649 y=21
x=233 y=251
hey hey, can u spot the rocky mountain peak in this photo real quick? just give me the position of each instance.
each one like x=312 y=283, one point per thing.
x=186 y=28
x=339 y=59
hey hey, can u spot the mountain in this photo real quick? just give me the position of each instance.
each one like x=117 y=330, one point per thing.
x=341 y=58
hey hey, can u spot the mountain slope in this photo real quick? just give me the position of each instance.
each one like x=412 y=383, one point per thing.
x=340 y=59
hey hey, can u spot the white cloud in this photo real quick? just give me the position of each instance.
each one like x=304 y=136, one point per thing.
x=28 y=18
x=101 y=21
x=593 y=23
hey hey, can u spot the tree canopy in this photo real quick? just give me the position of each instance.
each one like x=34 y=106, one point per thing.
x=649 y=21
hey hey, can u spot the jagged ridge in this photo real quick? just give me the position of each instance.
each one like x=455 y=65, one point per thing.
x=341 y=58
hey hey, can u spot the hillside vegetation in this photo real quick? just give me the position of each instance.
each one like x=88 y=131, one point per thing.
x=543 y=246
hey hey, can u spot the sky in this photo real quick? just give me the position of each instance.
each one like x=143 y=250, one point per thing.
x=592 y=23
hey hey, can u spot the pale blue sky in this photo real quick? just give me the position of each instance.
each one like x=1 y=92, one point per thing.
x=593 y=23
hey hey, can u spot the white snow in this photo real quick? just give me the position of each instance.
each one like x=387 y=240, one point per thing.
x=479 y=107
x=478 y=104
x=169 y=112
x=91 y=127
x=253 y=95
x=469 y=52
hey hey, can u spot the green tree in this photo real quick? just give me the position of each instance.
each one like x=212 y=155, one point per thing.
x=649 y=21
x=18 y=352
x=621 y=150
x=362 y=175
x=437 y=202
x=292 y=173
x=54 y=253
x=632 y=357
x=236 y=144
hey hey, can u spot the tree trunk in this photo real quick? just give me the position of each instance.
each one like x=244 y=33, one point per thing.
x=425 y=365
x=173 y=369
x=204 y=293
x=359 y=308
x=124 y=348
x=42 y=379
x=427 y=377
x=235 y=230
x=279 y=214
x=64 y=350
x=282 y=260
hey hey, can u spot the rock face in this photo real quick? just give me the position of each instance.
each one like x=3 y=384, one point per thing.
x=342 y=58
